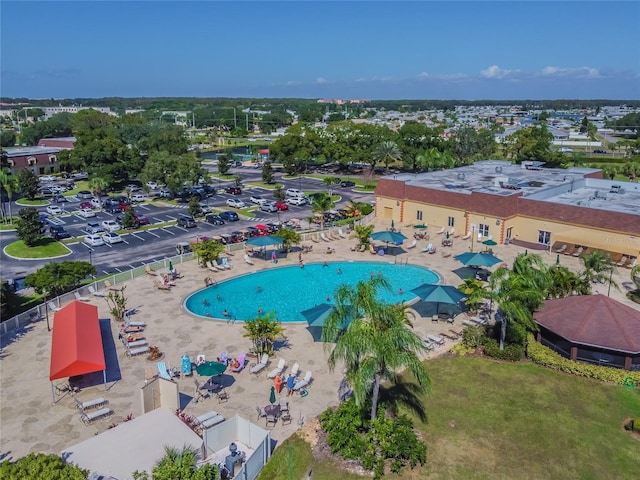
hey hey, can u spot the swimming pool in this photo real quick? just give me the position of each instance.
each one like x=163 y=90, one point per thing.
x=287 y=291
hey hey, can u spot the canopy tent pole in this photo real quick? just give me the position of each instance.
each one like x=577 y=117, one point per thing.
x=53 y=393
x=104 y=375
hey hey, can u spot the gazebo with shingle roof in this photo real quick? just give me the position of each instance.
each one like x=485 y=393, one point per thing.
x=591 y=328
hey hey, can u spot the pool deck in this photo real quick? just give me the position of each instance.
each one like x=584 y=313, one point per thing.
x=30 y=422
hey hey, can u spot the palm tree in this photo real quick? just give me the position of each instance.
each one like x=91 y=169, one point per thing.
x=9 y=184
x=263 y=332
x=475 y=291
x=565 y=283
x=519 y=292
x=376 y=344
x=179 y=464
x=387 y=152
x=362 y=233
x=598 y=268
x=330 y=182
x=322 y=203
x=98 y=185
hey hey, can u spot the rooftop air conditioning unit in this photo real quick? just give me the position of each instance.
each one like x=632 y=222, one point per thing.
x=499 y=169
x=461 y=176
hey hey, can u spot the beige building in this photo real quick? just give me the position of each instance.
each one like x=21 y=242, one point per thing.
x=522 y=204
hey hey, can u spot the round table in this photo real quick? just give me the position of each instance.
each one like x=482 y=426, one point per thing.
x=272 y=410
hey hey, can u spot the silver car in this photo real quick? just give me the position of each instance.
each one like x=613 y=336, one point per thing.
x=269 y=207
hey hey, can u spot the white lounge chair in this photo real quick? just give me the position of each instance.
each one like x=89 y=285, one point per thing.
x=80 y=297
x=129 y=323
x=52 y=306
x=212 y=422
x=284 y=404
x=341 y=234
x=452 y=232
x=88 y=417
x=95 y=292
x=469 y=323
x=304 y=382
x=277 y=370
x=204 y=417
x=163 y=371
x=427 y=344
x=436 y=339
x=260 y=366
x=324 y=237
x=413 y=244
x=428 y=248
x=89 y=404
x=466 y=237
x=132 y=352
x=623 y=261
x=441 y=231
x=248 y=259
x=295 y=369
x=224 y=262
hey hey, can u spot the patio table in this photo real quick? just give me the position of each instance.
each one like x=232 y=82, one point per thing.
x=272 y=410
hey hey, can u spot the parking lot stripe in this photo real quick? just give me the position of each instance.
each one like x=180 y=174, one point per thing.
x=159 y=219
x=154 y=234
x=168 y=231
x=144 y=207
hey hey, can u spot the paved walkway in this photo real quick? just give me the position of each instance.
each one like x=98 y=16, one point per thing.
x=30 y=422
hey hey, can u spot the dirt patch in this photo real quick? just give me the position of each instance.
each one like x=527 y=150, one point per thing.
x=634 y=433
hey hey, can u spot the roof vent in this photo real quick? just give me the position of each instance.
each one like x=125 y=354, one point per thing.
x=461 y=176
x=499 y=169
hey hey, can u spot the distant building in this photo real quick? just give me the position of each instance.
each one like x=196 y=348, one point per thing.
x=40 y=160
x=61 y=142
x=51 y=111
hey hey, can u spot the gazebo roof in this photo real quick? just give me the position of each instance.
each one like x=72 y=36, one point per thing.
x=594 y=320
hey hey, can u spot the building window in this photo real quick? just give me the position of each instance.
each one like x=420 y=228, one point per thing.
x=544 y=237
x=32 y=160
x=509 y=233
x=483 y=230
x=52 y=159
x=419 y=215
x=451 y=221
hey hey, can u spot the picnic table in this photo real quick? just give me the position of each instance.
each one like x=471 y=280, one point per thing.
x=272 y=410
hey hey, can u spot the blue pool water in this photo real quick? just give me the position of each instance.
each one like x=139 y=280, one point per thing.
x=287 y=291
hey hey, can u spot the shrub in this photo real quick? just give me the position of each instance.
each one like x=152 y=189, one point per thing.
x=538 y=353
x=473 y=337
x=635 y=424
x=512 y=351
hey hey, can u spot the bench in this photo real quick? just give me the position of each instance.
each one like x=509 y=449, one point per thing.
x=89 y=404
x=88 y=417
x=212 y=422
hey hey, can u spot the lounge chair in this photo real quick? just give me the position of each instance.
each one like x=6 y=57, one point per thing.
x=225 y=263
x=457 y=331
x=212 y=422
x=315 y=240
x=441 y=231
x=413 y=244
x=88 y=417
x=248 y=259
x=435 y=339
x=324 y=237
x=341 y=234
x=469 y=323
x=132 y=352
x=186 y=368
x=148 y=269
x=632 y=262
x=160 y=286
x=89 y=404
x=137 y=343
x=466 y=237
x=562 y=248
x=452 y=232
x=212 y=267
x=109 y=286
x=433 y=250
x=204 y=417
x=427 y=344
x=242 y=361
x=260 y=366
x=277 y=370
x=271 y=419
x=261 y=412
x=52 y=306
x=448 y=336
x=428 y=248
x=304 y=382
x=578 y=252
x=163 y=371
x=201 y=393
x=285 y=417
x=446 y=254
x=295 y=369
x=623 y=261
x=80 y=297
x=223 y=395
x=129 y=323
x=95 y=292
x=284 y=404
x=372 y=250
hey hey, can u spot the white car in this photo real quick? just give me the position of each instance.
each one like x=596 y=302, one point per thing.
x=138 y=197
x=47 y=179
x=293 y=192
x=232 y=202
x=205 y=208
x=93 y=240
x=111 y=238
x=152 y=185
x=87 y=213
x=111 y=226
x=257 y=199
x=54 y=210
x=297 y=201
x=96 y=202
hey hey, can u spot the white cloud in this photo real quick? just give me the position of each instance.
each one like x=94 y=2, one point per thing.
x=579 y=72
x=494 y=71
x=321 y=80
x=441 y=76
x=292 y=83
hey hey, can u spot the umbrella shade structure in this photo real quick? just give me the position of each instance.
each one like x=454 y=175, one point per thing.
x=317 y=315
x=388 y=237
x=264 y=241
x=438 y=294
x=272 y=395
x=478 y=259
x=170 y=266
x=420 y=226
x=491 y=243
x=211 y=369
x=393 y=225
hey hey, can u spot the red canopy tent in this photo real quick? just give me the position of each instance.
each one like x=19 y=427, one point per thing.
x=76 y=345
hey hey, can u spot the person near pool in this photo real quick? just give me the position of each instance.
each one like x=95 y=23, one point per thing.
x=339 y=271
x=274 y=257
x=299 y=256
x=278 y=383
x=225 y=312
x=291 y=380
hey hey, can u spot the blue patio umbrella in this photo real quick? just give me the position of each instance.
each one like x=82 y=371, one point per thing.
x=316 y=318
x=490 y=243
x=438 y=294
x=477 y=259
x=388 y=237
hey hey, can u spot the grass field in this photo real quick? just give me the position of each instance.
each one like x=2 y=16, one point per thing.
x=45 y=248
x=491 y=420
x=25 y=202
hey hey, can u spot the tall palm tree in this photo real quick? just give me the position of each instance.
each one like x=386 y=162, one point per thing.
x=9 y=184
x=98 y=185
x=322 y=203
x=565 y=283
x=475 y=291
x=598 y=268
x=387 y=152
x=376 y=344
x=263 y=332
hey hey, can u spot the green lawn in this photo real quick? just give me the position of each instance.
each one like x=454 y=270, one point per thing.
x=46 y=247
x=491 y=420
x=38 y=202
x=9 y=226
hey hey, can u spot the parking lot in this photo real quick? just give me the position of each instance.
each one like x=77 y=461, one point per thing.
x=159 y=241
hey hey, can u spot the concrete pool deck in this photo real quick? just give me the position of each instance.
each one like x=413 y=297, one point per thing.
x=30 y=422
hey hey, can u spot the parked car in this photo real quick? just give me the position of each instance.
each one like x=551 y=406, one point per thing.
x=599 y=150
x=152 y=185
x=347 y=183
x=141 y=220
x=58 y=232
x=80 y=176
x=166 y=193
x=88 y=205
x=186 y=222
x=235 y=203
x=47 y=179
x=236 y=163
x=293 y=192
x=214 y=219
x=229 y=216
x=132 y=187
x=95 y=202
x=111 y=238
x=87 y=212
x=233 y=190
x=54 y=210
x=269 y=207
x=47 y=191
x=94 y=227
x=138 y=197
x=59 y=198
x=209 y=190
x=257 y=199
x=93 y=240
x=205 y=208
x=111 y=226
x=297 y=201
x=84 y=195
x=282 y=206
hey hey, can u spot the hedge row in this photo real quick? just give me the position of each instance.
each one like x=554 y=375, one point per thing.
x=512 y=352
x=538 y=353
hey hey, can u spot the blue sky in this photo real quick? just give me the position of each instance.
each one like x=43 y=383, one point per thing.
x=377 y=50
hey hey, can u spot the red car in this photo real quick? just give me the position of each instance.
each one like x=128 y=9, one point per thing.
x=282 y=206
x=233 y=190
x=86 y=205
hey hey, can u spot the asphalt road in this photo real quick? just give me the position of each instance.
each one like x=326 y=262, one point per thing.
x=143 y=247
